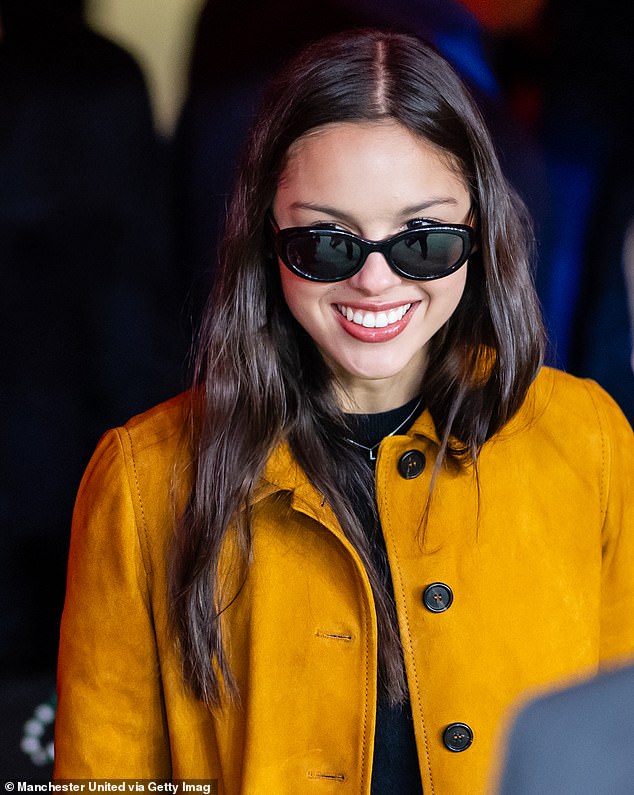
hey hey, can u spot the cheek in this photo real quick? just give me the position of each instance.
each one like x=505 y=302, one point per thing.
x=445 y=294
x=291 y=288
x=302 y=296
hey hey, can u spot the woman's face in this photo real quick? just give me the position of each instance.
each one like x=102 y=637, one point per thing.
x=371 y=178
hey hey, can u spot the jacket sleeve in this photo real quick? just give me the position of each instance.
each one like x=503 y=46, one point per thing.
x=111 y=719
x=617 y=597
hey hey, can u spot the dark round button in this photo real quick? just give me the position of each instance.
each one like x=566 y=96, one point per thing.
x=437 y=597
x=457 y=737
x=411 y=464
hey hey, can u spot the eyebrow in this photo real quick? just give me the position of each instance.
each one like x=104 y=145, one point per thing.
x=406 y=212
x=437 y=201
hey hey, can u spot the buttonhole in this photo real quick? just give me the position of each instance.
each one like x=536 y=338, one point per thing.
x=328 y=776
x=333 y=635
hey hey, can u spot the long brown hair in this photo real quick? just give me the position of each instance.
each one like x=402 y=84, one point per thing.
x=259 y=379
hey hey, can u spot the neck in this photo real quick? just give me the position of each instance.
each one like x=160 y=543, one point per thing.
x=365 y=394
x=371 y=397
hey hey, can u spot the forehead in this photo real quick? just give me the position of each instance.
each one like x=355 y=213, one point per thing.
x=388 y=132
x=380 y=166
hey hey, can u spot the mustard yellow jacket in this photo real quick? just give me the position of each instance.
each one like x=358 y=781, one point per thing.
x=540 y=562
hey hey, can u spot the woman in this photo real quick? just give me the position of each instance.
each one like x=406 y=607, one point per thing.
x=238 y=609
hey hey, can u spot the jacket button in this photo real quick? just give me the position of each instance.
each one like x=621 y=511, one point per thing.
x=437 y=597
x=457 y=737
x=411 y=464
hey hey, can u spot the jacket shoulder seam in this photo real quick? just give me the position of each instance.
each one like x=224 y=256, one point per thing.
x=601 y=421
x=144 y=541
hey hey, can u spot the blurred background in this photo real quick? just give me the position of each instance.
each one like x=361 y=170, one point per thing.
x=120 y=124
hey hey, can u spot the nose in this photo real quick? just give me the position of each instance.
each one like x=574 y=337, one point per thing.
x=376 y=276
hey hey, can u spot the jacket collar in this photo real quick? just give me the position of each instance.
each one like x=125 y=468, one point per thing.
x=283 y=473
x=424 y=426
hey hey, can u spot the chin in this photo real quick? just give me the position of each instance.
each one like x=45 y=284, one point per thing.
x=373 y=368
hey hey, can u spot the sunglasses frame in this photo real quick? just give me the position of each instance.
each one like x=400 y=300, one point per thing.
x=281 y=238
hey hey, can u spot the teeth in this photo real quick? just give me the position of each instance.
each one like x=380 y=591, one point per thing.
x=373 y=319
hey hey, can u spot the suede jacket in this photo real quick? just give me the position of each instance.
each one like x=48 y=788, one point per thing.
x=524 y=578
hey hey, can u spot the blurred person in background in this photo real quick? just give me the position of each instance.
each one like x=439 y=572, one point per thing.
x=87 y=311
x=574 y=742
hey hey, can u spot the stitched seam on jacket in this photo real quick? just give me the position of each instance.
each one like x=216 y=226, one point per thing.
x=603 y=503
x=367 y=688
x=409 y=635
x=140 y=500
x=338 y=533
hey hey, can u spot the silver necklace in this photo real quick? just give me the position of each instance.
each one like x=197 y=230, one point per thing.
x=371 y=451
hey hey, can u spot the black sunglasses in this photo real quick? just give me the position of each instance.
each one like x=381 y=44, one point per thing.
x=331 y=255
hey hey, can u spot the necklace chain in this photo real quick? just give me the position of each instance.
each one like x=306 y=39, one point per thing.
x=371 y=451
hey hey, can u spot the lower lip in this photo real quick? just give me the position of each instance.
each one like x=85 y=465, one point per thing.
x=375 y=334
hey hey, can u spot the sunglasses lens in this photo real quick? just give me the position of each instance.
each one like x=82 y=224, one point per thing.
x=324 y=256
x=426 y=254
x=330 y=256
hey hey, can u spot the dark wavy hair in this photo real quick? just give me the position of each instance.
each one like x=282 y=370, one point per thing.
x=259 y=379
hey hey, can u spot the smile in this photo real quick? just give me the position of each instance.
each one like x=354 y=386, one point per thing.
x=373 y=319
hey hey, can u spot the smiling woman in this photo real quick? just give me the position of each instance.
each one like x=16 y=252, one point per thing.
x=375 y=520
x=375 y=179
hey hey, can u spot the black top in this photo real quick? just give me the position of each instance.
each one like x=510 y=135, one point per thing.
x=395 y=768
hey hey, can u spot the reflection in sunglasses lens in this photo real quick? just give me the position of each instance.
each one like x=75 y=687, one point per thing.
x=419 y=254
